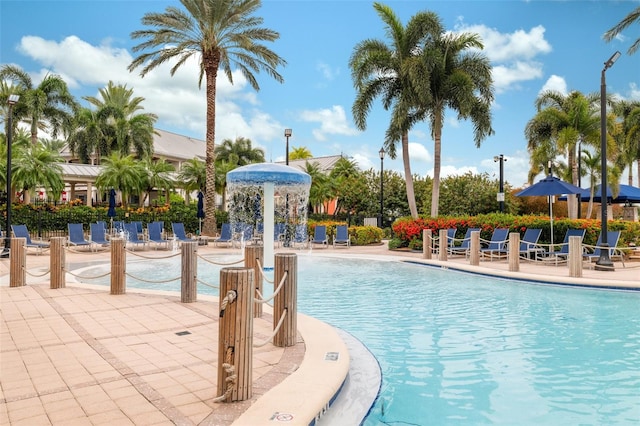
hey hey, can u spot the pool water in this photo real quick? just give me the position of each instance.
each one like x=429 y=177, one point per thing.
x=457 y=348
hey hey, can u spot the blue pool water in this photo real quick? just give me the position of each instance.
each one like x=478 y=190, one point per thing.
x=457 y=348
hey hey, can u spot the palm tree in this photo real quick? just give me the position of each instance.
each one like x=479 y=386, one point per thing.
x=48 y=106
x=633 y=16
x=121 y=173
x=300 y=153
x=36 y=166
x=222 y=168
x=220 y=33
x=393 y=72
x=628 y=112
x=192 y=175
x=90 y=136
x=239 y=152
x=567 y=122
x=158 y=175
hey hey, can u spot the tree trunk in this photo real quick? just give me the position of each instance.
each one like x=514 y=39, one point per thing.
x=572 y=201
x=211 y=61
x=408 y=177
x=437 y=148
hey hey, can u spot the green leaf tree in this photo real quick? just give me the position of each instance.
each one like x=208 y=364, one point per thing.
x=122 y=173
x=192 y=176
x=633 y=16
x=36 y=166
x=300 y=153
x=219 y=33
x=158 y=175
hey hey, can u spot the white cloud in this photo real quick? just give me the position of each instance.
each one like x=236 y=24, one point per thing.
x=327 y=72
x=332 y=122
x=418 y=153
x=555 y=83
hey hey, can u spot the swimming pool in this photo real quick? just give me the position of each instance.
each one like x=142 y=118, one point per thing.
x=457 y=348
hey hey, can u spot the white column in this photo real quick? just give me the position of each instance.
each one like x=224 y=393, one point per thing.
x=268 y=216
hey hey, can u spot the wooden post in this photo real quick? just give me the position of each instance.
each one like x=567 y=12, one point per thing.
x=427 y=243
x=57 y=263
x=235 y=328
x=286 y=299
x=443 y=244
x=253 y=258
x=474 y=249
x=18 y=262
x=118 y=266
x=514 y=252
x=189 y=280
x=575 y=257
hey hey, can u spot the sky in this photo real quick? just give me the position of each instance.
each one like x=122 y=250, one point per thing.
x=532 y=45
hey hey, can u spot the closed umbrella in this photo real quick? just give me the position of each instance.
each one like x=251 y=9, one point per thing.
x=111 y=213
x=548 y=186
x=200 y=213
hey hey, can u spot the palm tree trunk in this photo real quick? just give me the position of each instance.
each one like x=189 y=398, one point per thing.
x=408 y=177
x=437 y=154
x=211 y=60
x=572 y=202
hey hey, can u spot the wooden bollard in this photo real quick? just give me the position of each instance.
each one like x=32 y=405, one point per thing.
x=235 y=328
x=474 y=249
x=442 y=245
x=514 y=252
x=189 y=281
x=575 y=257
x=57 y=263
x=118 y=266
x=18 y=262
x=427 y=243
x=253 y=258
x=286 y=299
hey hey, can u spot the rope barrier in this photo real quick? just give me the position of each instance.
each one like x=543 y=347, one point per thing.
x=88 y=278
x=207 y=284
x=229 y=298
x=221 y=263
x=36 y=275
x=264 y=277
x=231 y=378
x=260 y=296
x=275 y=330
x=135 y=253
x=151 y=281
x=275 y=292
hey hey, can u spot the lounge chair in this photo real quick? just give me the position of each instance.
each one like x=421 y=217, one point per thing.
x=97 y=234
x=179 y=232
x=226 y=236
x=118 y=227
x=563 y=253
x=300 y=238
x=131 y=233
x=464 y=247
x=242 y=233
x=21 y=231
x=154 y=229
x=529 y=243
x=592 y=253
x=320 y=236
x=76 y=235
x=342 y=236
x=278 y=232
x=497 y=245
x=451 y=239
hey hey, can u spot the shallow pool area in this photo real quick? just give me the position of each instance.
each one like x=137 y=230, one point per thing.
x=457 y=348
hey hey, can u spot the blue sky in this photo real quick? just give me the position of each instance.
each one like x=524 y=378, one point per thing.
x=533 y=46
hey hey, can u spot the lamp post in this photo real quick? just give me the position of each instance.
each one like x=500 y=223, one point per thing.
x=500 y=196
x=604 y=263
x=13 y=99
x=380 y=215
x=579 y=196
x=287 y=134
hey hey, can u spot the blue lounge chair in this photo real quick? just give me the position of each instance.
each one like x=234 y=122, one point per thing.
x=76 y=235
x=320 y=236
x=131 y=233
x=464 y=247
x=529 y=243
x=498 y=244
x=342 y=236
x=451 y=239
x=278 y=232
x=592 y=254
x=226 y=236
x=563 y=253
x=21 y=231
x=97 y=234
x=179 y=232
x=154 y=229
x=118 y=227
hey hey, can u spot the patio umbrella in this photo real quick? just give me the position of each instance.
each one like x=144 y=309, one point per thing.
x=111 y=213
x=548 y=186
x=200 y=213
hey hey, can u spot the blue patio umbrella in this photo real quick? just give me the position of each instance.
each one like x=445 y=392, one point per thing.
x=111 y=213
x=626 y=194
x=200 y=213
x=549 y=186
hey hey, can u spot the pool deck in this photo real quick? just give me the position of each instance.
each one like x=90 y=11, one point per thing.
x=80 y=356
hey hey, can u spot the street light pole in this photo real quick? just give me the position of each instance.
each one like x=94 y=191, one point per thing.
x=604 y=262
x=579 y=196
x=287 y=134
x=380 y=215
x=13 y=99
x=500 y=197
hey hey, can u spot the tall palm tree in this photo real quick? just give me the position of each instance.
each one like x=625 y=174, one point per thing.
x=628 y=114
x=393 y=72
x=47 y=106
x=239 y=152
x=221 y=33
x=633 y=16
x=90 y=136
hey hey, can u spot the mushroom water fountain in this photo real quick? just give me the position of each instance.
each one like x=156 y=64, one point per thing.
x=268 y=193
